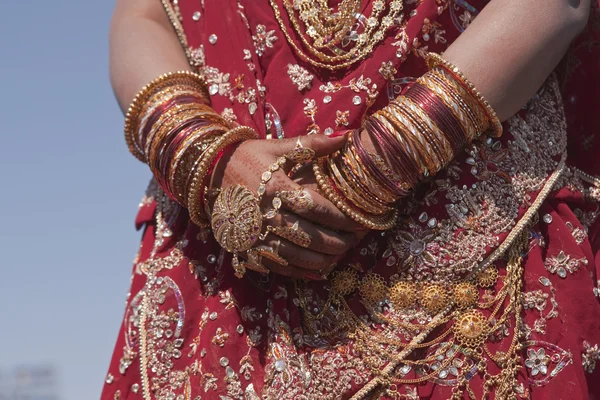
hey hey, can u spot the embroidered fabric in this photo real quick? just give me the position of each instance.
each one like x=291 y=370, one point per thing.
x=192 y=330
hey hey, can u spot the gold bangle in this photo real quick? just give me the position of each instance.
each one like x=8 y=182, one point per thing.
x=194 y=200
x=404 y=128
x=364 y=192
x=165 y=125
x=416 y=132
x=187 y=156
x=410 y=171
x=381 y=223
x=348 y=189
x=460 y=103
x=434 y=60
x=159 y=141
x=457 y=107
x=356 y=163
x=435 y=136
x=158 y=100
x=363 y=183
x=173 y=78
x=155 y=101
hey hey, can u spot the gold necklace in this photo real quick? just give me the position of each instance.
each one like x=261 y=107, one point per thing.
x=325 y=27
x=365 y=42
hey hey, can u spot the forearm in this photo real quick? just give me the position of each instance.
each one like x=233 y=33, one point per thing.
x=512 y=46
x=143 y=46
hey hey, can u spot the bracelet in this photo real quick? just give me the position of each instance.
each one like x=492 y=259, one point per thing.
x=434 y=60
x=439 y=114
x=187 y=156
x=454 y=93
x=187 y=78
x=195 y=196
x=349 y=190
x=366 y=182
x=383 y=223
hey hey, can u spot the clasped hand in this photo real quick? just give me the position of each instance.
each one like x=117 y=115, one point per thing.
x=331 y=232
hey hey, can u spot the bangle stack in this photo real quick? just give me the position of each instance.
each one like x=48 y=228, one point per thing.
x=171 y=127
x=415 y=136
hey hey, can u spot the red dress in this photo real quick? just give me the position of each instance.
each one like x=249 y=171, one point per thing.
x=193 y=331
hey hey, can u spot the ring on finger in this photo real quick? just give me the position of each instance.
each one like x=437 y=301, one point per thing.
x=297 y=199
x=300 y=154
x=294 y=234
x=254 y=263
x=269 y=253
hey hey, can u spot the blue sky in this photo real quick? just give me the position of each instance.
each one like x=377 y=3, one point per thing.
x=69 y=193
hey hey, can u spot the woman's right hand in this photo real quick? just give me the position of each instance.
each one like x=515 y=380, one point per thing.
x=332 y=232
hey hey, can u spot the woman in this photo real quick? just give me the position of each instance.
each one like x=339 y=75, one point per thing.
x=434 y=253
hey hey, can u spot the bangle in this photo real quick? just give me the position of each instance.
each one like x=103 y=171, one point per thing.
x=456 y=106
x=353 y=162
x=383 y=222
x=467 y=104
x=195 y=196
x=349 y=189
x=440 y=115
x=434 y=60
x=367 y=190
x=188 y=155
x=186 y=78
x=434 y=135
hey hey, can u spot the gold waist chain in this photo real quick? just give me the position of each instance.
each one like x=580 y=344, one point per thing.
x=450 y=323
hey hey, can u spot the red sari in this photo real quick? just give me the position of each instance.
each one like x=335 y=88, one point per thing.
x=193 y=331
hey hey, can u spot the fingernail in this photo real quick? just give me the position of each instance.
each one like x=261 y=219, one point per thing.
x=338 y=134
x=315 y=277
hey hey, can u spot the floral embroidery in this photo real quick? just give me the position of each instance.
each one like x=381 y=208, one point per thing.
x=355 y=84
x=589 y=358
x=435 y=28
x=578 y=234
x=466 y=18
x=196 y=56
x=341 y=118
x=548 y=360
x=162 y=333
x=537 y=361
x=415 y=247
x=486 y=160
x=538 y=300
x=300 y=76
x=310 y=110
x=387 y=70
x=220 y=337
x=402 y=41
x=563 y=263
x=263 y=39
x=229 y=115
x=218 y=82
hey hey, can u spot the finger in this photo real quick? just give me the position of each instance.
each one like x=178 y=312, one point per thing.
x=322 y=145
x=265 y=266
x=321 y=239
x=312 y=206
x=299 y=257
x=293 y=272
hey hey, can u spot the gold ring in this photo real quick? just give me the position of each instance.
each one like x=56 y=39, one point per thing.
x=236 y=221
x=294 y=234
x=270 y=254
x=297 y=200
